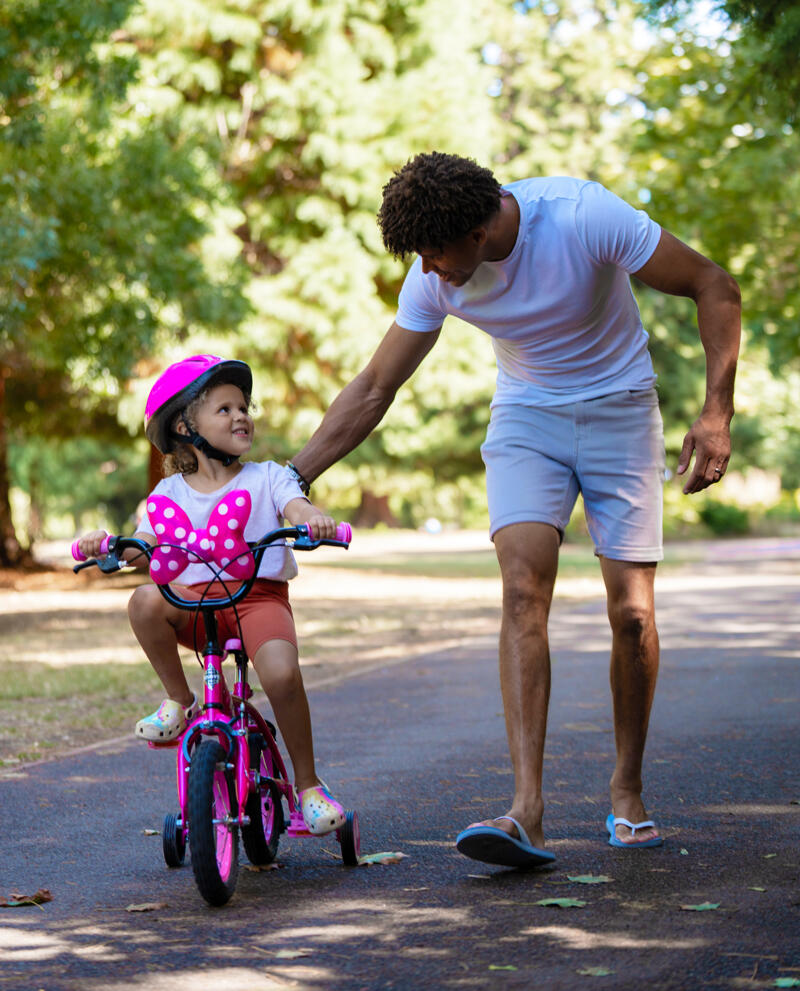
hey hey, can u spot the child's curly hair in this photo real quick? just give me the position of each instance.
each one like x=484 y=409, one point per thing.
x=434 y=200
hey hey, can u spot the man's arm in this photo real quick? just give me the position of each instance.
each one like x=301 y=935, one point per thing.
x=360 y=406
x=676 y=269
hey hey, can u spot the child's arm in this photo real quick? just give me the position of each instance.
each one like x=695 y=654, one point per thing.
x=90 y=545
x=302 y=511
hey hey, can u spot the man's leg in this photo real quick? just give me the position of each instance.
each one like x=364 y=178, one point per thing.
x=528 y=556
x=634 y=669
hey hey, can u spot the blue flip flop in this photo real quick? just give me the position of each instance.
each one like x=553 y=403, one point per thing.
x=613 y=840
x=495 y=846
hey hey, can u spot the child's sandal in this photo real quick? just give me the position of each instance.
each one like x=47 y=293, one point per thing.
x=322 y=814
x=167 y=722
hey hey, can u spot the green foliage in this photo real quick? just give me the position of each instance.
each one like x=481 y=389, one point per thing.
x=98 y=483
x=103 y=212
x=768 y=36
x=171 y=170
x=717 y=163
x=307 y=110
x=724 y=519
x=561 y=74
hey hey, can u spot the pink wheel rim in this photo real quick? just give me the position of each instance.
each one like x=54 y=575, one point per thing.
x=267 y=799
x=223 y=844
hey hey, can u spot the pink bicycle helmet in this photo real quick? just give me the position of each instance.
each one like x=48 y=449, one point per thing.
x=178 y=385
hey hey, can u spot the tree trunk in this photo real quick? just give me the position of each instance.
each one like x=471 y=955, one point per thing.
x=155 y=470
x=374 y=509
x=12 y=553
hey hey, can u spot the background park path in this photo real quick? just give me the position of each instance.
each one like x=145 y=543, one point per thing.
x=417 y=746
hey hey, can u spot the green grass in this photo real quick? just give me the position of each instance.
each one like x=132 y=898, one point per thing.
x=92 y=682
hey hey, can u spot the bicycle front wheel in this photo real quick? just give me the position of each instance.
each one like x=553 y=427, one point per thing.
x=213 y=831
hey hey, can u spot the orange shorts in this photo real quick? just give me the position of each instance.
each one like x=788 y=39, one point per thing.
x=264 y=614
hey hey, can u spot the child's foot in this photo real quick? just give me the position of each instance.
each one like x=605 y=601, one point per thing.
x=321 y=812
x=167 y=722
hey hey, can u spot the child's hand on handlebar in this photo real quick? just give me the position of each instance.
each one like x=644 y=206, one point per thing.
x=322 y=527
x=90 y=543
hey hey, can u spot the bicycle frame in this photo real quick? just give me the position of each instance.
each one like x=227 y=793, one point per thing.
x=230 y=720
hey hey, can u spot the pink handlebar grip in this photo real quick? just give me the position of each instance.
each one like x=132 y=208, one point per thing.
x=344 y=532
x=78 y=554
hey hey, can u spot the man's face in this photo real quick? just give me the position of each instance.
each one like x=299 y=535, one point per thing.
x=454 y=263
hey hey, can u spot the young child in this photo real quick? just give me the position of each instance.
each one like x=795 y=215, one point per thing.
x=197 y=414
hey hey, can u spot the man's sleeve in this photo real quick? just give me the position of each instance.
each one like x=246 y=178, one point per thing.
x=612 y=231
x=417 y=307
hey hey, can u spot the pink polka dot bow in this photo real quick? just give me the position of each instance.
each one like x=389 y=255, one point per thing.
x=221 y=543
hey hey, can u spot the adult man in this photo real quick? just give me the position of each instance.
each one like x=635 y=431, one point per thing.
x=543 y=266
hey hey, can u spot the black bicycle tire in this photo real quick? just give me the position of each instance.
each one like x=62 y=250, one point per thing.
x=203 y=834
x=349 y=836
x=173 y=841
x=261 y=849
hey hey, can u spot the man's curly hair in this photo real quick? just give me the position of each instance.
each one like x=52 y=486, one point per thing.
x=434 y=200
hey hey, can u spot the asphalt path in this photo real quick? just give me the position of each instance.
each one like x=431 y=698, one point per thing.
x=419 y=750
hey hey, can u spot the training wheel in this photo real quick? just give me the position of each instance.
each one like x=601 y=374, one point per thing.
x=173 y=841
x=349 y=838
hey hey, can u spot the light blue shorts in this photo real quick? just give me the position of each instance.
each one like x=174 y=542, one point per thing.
x=609 y=449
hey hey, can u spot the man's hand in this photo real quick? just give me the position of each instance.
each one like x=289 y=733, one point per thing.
x=710 y=440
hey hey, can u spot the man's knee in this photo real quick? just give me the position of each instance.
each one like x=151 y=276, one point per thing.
x=632 y=619
x=526 y=595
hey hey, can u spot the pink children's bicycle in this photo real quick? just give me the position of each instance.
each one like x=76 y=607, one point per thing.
x=231 y=776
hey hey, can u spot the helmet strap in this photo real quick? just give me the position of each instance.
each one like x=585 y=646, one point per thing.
x=202 y=445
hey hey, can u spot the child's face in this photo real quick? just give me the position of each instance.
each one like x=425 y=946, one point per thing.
x=224 y=421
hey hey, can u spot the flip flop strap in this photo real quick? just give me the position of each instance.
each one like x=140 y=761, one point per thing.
x=633 y=826
x=522 y=834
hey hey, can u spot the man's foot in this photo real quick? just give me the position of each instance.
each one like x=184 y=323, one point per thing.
x=628 y=805
x=502 y=841
x=635 y=834
x=510 y=824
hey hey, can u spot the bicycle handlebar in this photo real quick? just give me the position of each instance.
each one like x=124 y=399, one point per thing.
x=112 y=548
x=78 y=554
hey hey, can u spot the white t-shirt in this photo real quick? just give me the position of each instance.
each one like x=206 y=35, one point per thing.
x=270 y=488
x=563 y=320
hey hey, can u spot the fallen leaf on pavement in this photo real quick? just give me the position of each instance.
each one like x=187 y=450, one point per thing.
x=497 y=966
x=291 y=954
x=561 y=902
x=702 y=907
x=684 y=852
x=16 y=900
x=590 y=878
x=769 y=856
x=146 y=907
x=756 y=889
x=787 y=982
x=595 y=972
x=151 y=832
x=382 y=858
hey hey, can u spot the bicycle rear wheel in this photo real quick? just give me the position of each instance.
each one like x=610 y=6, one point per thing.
x=213 y=836
x=263 y=807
